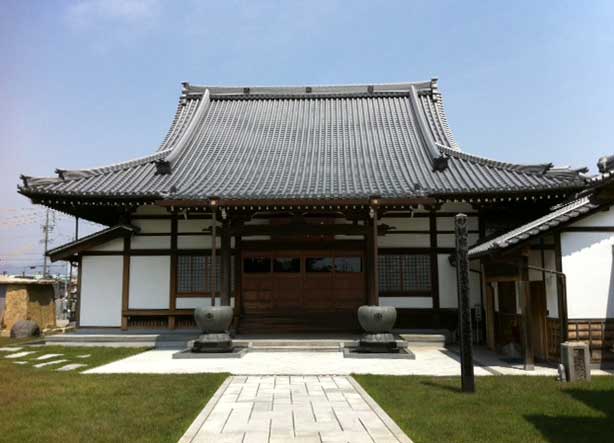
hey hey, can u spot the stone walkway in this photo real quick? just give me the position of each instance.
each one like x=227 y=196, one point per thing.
x=255 y=409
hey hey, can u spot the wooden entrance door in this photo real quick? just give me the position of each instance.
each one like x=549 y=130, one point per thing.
x=302 y=287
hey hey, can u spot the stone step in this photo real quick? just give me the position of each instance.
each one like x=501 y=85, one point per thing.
x=307 y=348
x=425 y=339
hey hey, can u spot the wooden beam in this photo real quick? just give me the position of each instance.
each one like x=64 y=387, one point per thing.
x=434 y=269
x=293 y=229
x=126 y=282
x=372 y=271
x=173 y=274
x=464 y=308
x=523 y=289
x=225 y=262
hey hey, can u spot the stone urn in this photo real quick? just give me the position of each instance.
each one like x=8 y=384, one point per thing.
x=377 y=319
x=214 y=322
x=213 y=319
x=377 y=322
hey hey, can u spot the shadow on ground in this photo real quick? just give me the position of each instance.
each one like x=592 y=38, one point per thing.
x=567 y=428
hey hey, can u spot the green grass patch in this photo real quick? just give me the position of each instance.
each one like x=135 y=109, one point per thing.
x=504 y=409
x=45 y=405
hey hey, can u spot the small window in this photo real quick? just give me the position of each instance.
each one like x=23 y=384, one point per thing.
x=405 y=273
x=319 y=264
x=348 y=264
x=287 y=264
x=252 y=265
x=194 y=274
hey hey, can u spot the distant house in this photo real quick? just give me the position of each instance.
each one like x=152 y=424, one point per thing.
x=324 y=198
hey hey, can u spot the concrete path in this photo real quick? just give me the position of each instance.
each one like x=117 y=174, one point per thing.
x=160 y=361
x=269 y=409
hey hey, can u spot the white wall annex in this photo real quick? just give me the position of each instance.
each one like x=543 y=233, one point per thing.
x=101 y=291
x=588 y=266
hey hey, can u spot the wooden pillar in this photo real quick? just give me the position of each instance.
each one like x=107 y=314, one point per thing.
x=561 y=286
x=173 y=274
x=523 y=290
x=489 y=310
x=225 y=261
x=238 y=273
x=434 y=269
x=372 y=254
x=78 y=303
x=212 y=273
x=126 y=283
x=464 y=308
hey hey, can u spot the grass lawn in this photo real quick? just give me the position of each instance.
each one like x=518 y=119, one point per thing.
x=504 y=409
x=40 y=404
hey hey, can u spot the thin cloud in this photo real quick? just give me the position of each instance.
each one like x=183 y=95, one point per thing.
x=95 y=13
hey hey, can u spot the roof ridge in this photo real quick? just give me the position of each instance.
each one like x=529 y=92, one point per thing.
x=430 y=85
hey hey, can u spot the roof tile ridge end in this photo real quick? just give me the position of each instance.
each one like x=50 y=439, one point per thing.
x=181 y=144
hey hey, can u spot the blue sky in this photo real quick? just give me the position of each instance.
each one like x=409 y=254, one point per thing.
x=96 y=81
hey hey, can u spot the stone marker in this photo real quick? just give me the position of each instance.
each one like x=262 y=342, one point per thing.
x=25 y=329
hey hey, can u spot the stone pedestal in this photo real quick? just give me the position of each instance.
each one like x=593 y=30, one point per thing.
x=216 y=342
x=378 y=343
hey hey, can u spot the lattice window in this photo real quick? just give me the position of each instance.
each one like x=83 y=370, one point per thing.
x=404 y=273
x=193 y=274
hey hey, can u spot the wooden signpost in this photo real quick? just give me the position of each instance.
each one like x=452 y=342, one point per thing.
x=464 y=309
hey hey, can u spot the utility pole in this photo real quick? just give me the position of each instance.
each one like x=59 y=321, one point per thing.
x=46 y=242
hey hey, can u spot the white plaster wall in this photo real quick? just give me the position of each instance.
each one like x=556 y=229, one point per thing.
x=196 y=242
x=151 y=210
x=587 y=264
x=150 y=242
x=448 y=294
x=192 y=225
x=404 y=241
x=602 y=219
x=447 y=223
x=153 y=226
x=407 y=223
x=149 y=282
x=449 y=240
x=194 y=302
x=465 y=208
x=112 y=245
x=101 y=291
x=407 y=302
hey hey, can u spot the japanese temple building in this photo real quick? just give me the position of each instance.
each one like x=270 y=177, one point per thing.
x=320 y=199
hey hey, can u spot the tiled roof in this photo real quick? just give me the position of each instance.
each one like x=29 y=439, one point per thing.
x=311 y=143
x=583 y=202
x=536 y=227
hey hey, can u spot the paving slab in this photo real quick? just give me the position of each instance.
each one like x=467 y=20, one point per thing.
x=71 y=367
x=10 y=349
x=20 y=354
x=49 y=363
x=271 y=411
x=48 y=356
